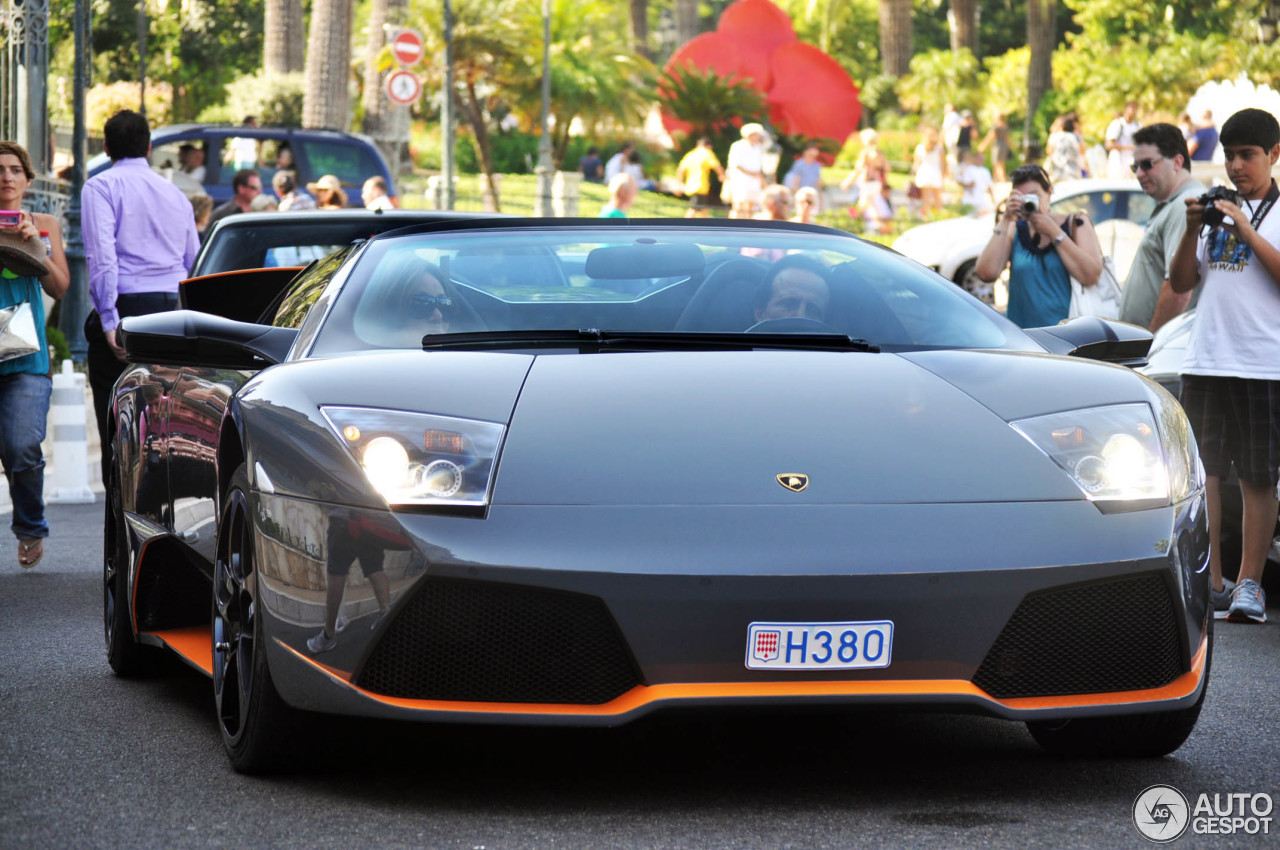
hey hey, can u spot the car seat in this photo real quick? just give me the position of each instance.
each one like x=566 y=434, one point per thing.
x=725 y=300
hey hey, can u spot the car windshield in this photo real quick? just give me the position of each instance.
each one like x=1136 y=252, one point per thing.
x=651 y=280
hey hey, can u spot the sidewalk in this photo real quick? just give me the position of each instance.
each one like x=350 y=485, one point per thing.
x=95 y=455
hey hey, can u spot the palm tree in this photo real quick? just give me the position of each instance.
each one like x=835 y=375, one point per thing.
x=964 y=26
x=386 y=123
x=895 y=37
x=328 y=66
x=640 y=27
x=283 y=37
x=594 y=75
x=1042 y=24
x=687 y=22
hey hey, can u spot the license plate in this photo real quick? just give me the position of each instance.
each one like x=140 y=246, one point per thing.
x=819 y=646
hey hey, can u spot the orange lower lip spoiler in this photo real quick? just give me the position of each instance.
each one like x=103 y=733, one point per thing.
x=643 y=695
x=195 y=646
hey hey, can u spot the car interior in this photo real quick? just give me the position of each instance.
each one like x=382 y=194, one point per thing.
x=685 y=288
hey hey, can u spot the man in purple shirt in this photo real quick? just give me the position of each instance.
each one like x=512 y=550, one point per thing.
x=139 y=239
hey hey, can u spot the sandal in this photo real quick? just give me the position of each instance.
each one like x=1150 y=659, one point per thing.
x=30 y=551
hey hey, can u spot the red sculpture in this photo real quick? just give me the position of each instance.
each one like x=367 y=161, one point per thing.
x=807 y=92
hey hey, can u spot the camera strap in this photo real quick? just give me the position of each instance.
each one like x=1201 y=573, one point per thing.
x=1265 y=205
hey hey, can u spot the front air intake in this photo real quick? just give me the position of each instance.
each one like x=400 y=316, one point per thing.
x=1101 y=637
x=484 y=642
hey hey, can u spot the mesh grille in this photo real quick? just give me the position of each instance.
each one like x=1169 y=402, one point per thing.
x=485 y=642
x=1117 y=635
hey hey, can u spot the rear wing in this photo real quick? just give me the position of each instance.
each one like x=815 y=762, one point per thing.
x=244 y=295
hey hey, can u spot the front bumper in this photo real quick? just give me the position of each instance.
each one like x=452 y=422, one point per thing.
x=597 y=616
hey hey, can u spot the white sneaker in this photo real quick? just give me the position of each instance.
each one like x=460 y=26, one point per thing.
x=321 y=643
x=1248 y=603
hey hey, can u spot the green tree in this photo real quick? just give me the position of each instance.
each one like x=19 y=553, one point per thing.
x=196 y=47
x=491 y=46
x=595 y=77
x=940 y=76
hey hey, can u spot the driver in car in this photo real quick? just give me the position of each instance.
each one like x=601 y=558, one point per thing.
x=795 y=287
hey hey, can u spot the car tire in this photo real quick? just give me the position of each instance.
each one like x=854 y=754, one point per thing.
x=126 y=656
x=967 y=279
x=254 y=720
x=1149 y=735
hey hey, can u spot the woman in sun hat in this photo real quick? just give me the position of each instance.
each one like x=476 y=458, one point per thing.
x=328 y=193
x=746 y=171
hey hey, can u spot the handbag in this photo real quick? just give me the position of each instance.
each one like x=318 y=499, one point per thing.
x=18 y=336
x=1102 y=299
x=23 y=257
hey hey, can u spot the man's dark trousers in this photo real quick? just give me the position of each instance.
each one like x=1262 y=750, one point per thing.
x=105 y=368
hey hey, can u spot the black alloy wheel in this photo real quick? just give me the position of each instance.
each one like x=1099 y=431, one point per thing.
x=126 y=656
x=252 y=717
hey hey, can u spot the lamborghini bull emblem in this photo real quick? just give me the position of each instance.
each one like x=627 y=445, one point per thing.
x=793 y=481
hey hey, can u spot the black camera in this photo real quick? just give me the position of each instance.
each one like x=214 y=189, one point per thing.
x=1212 y=216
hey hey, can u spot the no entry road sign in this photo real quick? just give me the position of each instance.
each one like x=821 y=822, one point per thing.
x=407 y=47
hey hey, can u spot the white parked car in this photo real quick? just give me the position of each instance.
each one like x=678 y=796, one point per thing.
x=1119 y=210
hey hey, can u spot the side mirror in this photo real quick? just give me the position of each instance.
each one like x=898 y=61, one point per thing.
x=188 y=338
x=1108 y=340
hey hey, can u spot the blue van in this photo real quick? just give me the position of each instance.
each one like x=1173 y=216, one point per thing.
x=227 y=148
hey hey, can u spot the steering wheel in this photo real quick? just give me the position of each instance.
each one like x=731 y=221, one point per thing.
x=791 y=325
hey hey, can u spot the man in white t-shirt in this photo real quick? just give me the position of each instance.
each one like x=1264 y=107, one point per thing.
x=1119 y=141
x=1231 y=376
x=979 y=187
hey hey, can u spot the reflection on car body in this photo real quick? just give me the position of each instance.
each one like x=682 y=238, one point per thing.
x=580 y=490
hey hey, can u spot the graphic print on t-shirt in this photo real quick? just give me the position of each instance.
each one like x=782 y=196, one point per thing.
x=1226 y=252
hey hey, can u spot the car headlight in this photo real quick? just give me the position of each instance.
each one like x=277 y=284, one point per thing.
x=1122 y=457
x=420 y=458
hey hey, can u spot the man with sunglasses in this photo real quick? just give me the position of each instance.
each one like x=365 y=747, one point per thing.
x=1163 y=168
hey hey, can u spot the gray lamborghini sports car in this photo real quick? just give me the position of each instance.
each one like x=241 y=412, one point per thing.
x=576 y=471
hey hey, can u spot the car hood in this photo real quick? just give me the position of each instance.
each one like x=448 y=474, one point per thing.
x=720 y=428
x=699 y=428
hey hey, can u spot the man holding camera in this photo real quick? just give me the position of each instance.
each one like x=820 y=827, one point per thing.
x=1231 y=376
x=1163 y=168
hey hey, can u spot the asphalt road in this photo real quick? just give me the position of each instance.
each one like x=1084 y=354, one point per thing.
x=88 y=760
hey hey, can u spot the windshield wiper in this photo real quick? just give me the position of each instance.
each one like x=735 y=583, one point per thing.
x=592 y=339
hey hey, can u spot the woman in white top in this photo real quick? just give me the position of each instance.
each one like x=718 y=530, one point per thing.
x=746 y=172
x=930 y=170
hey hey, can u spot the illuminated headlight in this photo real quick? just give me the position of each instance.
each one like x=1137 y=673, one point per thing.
x=420 y=458
x=1122 y=456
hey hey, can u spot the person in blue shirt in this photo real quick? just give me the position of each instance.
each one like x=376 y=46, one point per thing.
x=1043 y=251
x=1205 y=140
x=25 y=387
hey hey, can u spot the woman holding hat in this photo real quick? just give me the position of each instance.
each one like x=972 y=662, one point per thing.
x=746 y=172
x=25 y=387
x=328 y=193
